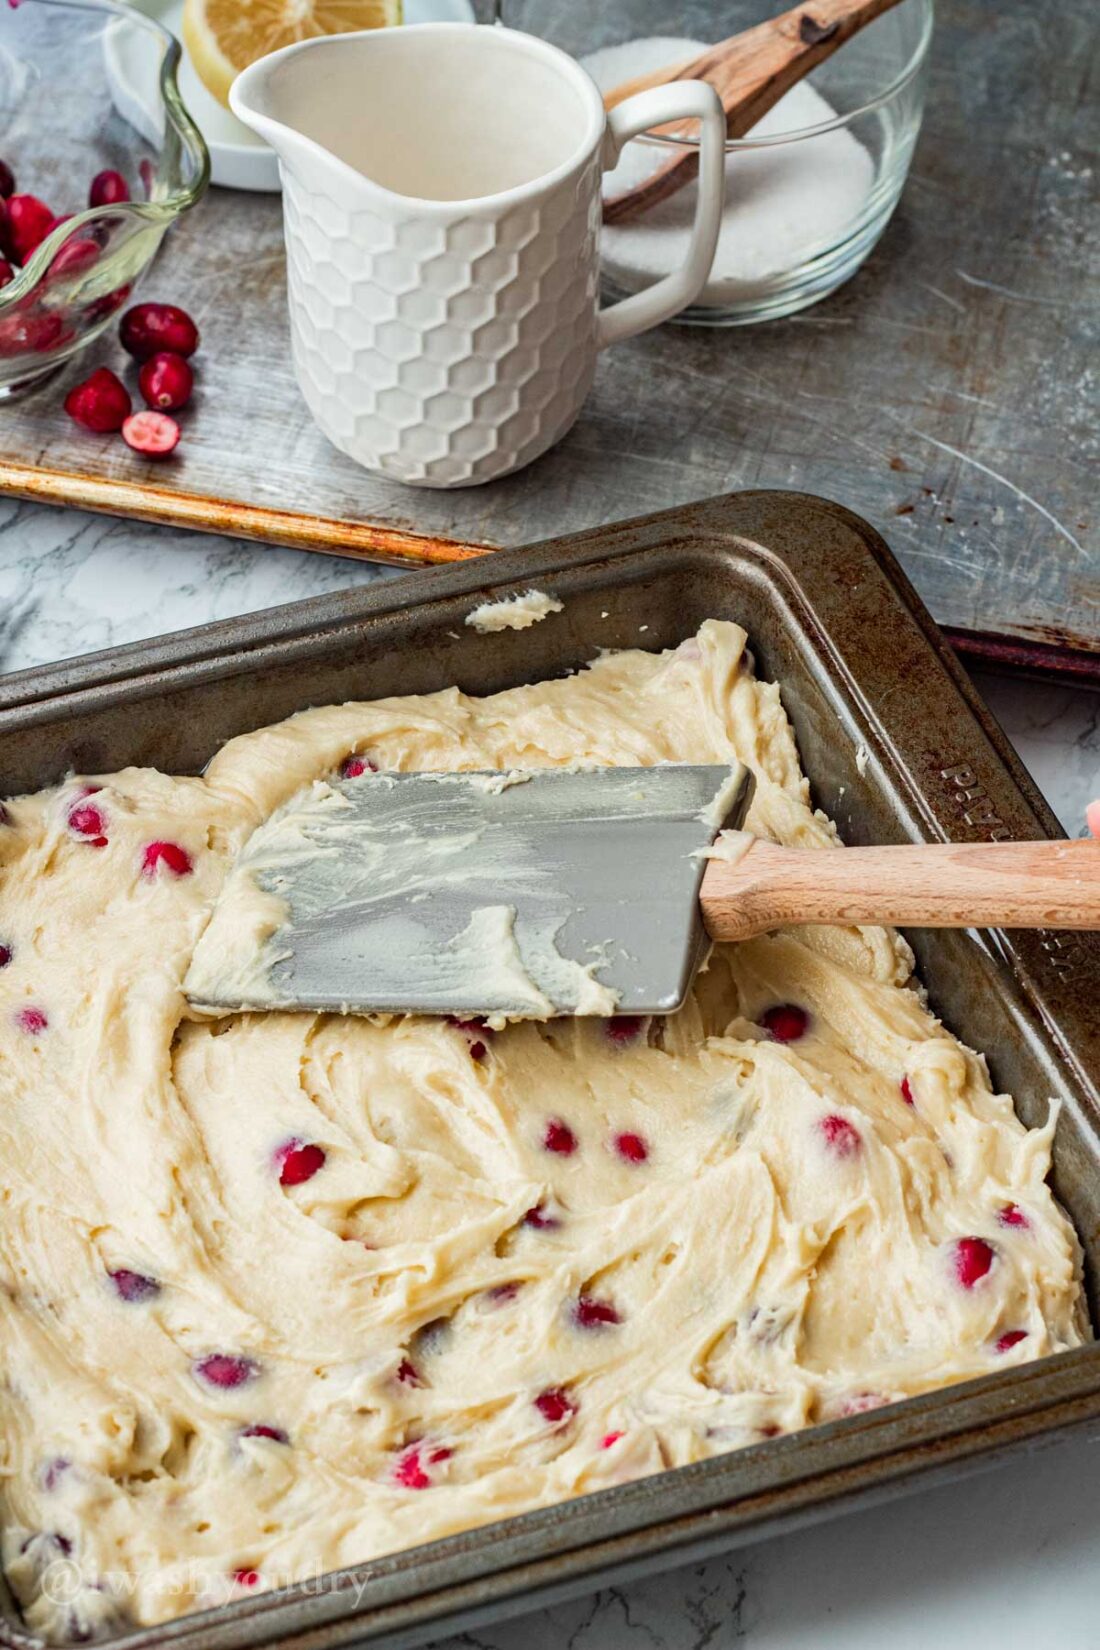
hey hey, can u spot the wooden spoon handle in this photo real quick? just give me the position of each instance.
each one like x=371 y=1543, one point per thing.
x=751 y=72
x=941 y=885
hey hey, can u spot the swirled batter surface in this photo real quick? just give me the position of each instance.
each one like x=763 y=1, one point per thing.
x=283 y=1292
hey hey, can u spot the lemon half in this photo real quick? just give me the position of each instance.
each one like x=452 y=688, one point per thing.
x=224 y=36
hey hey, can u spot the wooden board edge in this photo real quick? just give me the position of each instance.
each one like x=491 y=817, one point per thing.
x=1064 y=662
x=164 y=506
x=1069 y=661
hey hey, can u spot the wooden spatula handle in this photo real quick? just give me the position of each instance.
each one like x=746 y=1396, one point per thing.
x=941 y=885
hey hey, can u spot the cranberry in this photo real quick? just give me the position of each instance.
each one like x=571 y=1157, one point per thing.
x=170 y=855
x=591 y=1313
x=298 y=1162
x=623 y=1029
x=74 y=256
x=408 y=1374
x=973 y=1257
x=5 y=955
x=108 y=189
x=861 y=1403
x=409 y=1469
x=32 y=333
x=477 y=1034
x=247 y=1578
x=260 y=1429
x=7 y=273
x=54 y=1471
x=906 y=1092
x=134 y=1286
x=502 y=1294
x=541 y=1219
x=630 y=1147
x=1013 y=1215
x=558 y=1137
x=785 y=1022
x=556 y=1405
x=165 y=380
x=32 y=1021
x=55 y=1538
x=355 y=766
x=152 y=433
x=109 y=302
x=610 y=1438
x=147 y=329
x=5 y=816
x=840 y=1135
x=7 y=180
x=27 y=222
x=226 y=1369
x=1010 y=1338
x=101 y=403
x=86 y=821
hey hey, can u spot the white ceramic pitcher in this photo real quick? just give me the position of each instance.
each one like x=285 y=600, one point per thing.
x=441 y=197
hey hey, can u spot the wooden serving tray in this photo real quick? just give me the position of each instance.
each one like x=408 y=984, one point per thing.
x=943 y=393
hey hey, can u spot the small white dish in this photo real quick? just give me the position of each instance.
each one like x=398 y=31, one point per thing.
x=238 y=158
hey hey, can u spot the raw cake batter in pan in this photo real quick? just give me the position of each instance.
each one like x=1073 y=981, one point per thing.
x=280 y=1292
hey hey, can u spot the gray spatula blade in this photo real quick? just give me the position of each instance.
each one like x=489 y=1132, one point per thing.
x=560 y=891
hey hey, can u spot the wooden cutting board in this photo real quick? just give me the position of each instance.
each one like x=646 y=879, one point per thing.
x=948 y=393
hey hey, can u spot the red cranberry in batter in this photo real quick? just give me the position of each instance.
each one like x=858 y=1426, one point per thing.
x=555 y=1405
x=559 y=1138
x=630 y=1147
x=226 y=1370
x=298 y=1162
x=785 y=1022
x=86 y=821
x=973 y=1258
x=841 y=1137
x=1012 y=1215
x=624 y=1029
x=591 y=1313
x=170 y=855
x=134 y=1287
x=354 y=766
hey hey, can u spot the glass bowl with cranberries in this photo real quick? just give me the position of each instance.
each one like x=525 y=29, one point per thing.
x=85 y=197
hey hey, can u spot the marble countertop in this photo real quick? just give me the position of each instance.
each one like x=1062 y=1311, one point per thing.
x=999 y=1562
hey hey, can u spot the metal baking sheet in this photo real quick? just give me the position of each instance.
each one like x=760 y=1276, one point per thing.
x=832 y=618
x=948 y=392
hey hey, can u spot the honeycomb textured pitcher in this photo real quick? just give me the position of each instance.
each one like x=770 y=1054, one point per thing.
x=441 y=199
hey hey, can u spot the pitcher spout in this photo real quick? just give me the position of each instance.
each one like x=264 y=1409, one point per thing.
x=261 y=98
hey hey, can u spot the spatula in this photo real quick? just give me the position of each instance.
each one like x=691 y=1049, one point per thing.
x=568 y=891
x=750 y=72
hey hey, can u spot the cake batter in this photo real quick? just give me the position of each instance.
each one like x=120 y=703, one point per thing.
x=284 y=1292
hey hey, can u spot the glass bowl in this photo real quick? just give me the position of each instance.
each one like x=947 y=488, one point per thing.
x=808 y=193
x=58 y=128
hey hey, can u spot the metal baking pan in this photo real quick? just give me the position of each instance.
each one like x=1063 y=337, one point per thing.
x=832 y=618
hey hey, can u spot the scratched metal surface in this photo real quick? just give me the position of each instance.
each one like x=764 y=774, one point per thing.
x=948 y=393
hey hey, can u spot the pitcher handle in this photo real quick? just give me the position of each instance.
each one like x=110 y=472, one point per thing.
x=679 y=100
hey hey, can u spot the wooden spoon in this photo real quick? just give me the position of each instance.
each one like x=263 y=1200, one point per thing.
x=750 y=71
